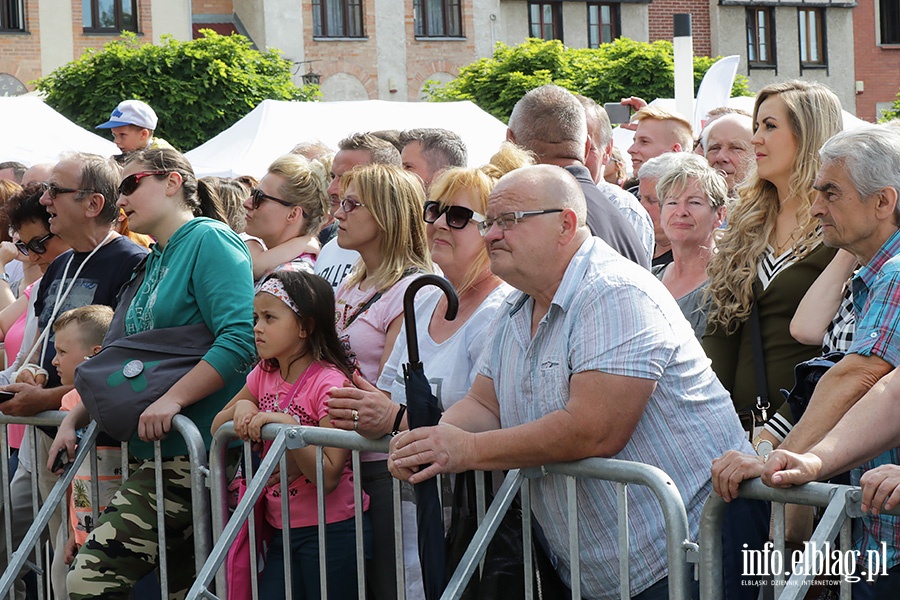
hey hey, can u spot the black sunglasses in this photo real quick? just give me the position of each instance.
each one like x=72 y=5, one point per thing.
x=457 y=216
x=37 y=245
x=257 y=197
x=54 y=190
x=131 y=183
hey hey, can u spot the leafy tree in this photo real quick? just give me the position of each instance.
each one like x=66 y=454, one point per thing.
x=894 y=112
x=197 y=88
x=607 y=74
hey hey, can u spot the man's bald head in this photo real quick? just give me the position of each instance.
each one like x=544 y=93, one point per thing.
x=39 y=173
x=544 y=186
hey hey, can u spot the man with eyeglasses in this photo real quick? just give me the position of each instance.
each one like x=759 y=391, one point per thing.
x=593 y=358
x=80 y=196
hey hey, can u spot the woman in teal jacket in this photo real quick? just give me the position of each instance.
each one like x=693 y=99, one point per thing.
x=198 y=271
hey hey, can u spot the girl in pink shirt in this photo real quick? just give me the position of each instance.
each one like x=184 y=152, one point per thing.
x=301 y=360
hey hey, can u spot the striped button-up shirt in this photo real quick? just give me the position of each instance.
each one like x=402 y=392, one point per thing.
x=610 y=315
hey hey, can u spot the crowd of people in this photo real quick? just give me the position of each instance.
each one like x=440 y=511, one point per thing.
x=654 y=319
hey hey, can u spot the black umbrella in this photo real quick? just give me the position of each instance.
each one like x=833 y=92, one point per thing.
x=423 y=411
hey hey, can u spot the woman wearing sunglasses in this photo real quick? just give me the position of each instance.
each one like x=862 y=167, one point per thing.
x=285 y=211
x=198 y=271
x=448 y=349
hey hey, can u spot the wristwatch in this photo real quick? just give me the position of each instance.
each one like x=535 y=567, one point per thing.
x=764 y=449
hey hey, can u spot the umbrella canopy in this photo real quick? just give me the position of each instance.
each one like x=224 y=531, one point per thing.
x=423 y=411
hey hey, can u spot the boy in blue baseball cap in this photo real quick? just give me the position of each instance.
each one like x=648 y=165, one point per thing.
x=132 y=124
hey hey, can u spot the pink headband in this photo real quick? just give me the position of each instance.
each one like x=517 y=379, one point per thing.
x=273 y=286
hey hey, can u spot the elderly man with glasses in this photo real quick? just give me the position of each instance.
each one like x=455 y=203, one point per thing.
x=593 y=358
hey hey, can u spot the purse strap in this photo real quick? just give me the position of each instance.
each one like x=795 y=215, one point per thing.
x=759 y=363
x=362 y=309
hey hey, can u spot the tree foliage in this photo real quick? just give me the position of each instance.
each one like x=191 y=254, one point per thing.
x=609 y=73
x=197 y=88
x=893 y=112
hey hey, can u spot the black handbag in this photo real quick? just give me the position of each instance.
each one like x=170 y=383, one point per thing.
x=131 y=372
x=503 y=575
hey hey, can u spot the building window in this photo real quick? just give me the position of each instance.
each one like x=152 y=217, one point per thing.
x=12 y=15
x=812 y=40
x=602 y=23
x=545 y=20
x=760 y=37
x=109 y=15
x=889 y=15
x=438 y=18
x=337 y=18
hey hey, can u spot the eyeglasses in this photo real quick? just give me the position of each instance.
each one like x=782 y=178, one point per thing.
x=457 y=216
x=131 y=183
x=348 y=205
x=37 y=245
x=257 y=197
x=505 y=221
x=54 y=190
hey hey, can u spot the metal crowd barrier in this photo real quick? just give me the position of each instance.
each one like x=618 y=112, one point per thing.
x=681 y=551
x=56 y=500
x=286 y=437
x=841 y=503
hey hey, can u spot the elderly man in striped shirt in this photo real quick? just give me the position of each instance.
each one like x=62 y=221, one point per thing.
x=592 y=359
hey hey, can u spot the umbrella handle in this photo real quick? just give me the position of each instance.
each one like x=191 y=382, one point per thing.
x=409 y=313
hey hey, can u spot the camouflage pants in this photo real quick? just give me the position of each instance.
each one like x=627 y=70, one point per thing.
x=125 y=544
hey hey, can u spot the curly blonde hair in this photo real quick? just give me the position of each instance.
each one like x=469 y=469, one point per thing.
x=814 y=115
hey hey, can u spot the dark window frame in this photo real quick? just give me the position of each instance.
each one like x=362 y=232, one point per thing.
x=12 y=16
x=451 y=19
x=888 y=23
x=753 y=38
x=353 y=22
x=803 y=24
x=556 y=24
x=614 y=24
x=119 y=17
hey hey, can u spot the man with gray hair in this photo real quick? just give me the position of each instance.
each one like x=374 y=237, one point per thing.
x=857 y=205
x=429 y=150
x=12 y=170
x=550 y=122
x=592 y=358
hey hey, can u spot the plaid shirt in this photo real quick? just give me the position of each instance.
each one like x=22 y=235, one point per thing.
x=876 y=302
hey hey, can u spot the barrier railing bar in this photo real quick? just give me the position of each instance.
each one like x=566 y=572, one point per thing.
x=622 y=512
x=399 y=566
x=286 y=524
x=95 y=488
x=251 y=528
x=574 y=554
x=161 y=520
x=32 y=537
x=255 y=488
x=779 y=529
x=478 y=546
x=322 y=521
x=527 y=537
x=678 y=543
x=7 y=494
x=846 y=542
x=199 y=494
x=358 y=522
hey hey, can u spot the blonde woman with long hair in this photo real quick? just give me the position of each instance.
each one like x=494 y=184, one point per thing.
x=771 y=251
x=379 y=216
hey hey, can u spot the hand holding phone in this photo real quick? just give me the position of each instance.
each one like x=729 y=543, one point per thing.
x=61 y=461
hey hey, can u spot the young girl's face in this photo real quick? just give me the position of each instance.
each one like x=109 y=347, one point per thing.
x=277 y=331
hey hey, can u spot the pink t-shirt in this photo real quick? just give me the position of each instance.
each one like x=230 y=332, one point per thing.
x=365 y=338
x=12 y=343
x=307 y=407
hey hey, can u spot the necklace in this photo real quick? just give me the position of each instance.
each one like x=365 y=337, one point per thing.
x=795 y=236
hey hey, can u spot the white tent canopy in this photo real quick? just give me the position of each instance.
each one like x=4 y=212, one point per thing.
x=33 y=133
x=273 y=128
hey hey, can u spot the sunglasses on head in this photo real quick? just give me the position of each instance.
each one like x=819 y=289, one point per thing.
x=131 y=183
x=457 y=216
x=36 y=245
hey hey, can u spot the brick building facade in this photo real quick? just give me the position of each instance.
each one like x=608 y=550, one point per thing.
x=876 y=55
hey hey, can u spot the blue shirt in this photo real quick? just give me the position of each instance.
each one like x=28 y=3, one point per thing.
x=876 y=302
x=611 y=315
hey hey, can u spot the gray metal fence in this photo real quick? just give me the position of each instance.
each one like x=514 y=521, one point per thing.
x=56 y=499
